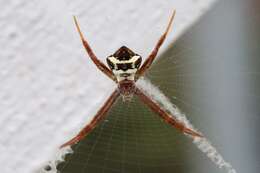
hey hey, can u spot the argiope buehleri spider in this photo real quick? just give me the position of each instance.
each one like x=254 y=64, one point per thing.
x=125 y=70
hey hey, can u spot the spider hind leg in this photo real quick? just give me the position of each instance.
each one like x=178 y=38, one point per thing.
x=148 y=62
x=167 y=117
x=97 y=118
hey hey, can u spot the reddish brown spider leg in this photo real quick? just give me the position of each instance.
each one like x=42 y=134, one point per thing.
x=153 y=54
x=91 y=54
x=97 y=118
x=164 y=115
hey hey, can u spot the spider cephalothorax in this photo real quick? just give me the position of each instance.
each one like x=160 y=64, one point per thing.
x=125 y=70
x=124 y=63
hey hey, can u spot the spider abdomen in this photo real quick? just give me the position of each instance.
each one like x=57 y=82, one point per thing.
x=124 y=63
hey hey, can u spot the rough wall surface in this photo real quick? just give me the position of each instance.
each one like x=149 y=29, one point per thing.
x=49 y=87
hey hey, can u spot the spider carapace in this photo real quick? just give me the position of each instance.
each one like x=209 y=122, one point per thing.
x=125 y=69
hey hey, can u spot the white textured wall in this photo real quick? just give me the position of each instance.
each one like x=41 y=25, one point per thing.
x=48 y=86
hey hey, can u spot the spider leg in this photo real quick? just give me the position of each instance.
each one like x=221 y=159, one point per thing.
x=154 y=52
x=165 y=115
x=97 y=118
x=91 y=54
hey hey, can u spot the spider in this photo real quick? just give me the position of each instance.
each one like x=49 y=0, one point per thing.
x=125 y=69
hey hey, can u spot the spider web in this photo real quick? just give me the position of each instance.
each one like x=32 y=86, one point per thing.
x=134 y=139
x=128 y=141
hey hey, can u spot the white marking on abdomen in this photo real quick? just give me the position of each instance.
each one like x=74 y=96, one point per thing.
x=130 y=74
x=117 y=61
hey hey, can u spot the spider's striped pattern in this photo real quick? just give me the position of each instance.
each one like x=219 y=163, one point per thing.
x=124 y=64
x=125 y=69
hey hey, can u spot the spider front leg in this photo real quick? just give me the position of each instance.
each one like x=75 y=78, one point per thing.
x=165 y=115
x=93 y=57
x=153 y=54
x=97 y=118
